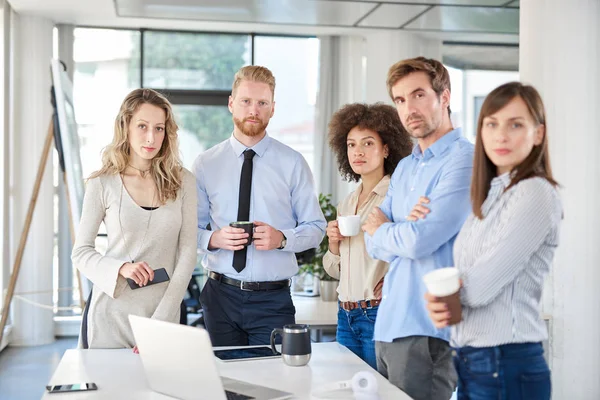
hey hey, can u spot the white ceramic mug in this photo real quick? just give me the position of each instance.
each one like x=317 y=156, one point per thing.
x=349 y=225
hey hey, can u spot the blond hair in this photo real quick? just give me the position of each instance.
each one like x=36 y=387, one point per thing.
x=253 y=73
x=166 y=168
x=438 y=74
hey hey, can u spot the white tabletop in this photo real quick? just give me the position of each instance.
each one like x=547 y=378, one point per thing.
x=119 y=374
x=314 y=311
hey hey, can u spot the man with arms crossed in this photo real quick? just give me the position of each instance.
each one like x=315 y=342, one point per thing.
x=253 y=177
x=411 y=352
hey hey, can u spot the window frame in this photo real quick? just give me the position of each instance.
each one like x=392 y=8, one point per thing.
x=194 y=96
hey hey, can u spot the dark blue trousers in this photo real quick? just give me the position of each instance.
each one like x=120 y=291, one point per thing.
x=235 y=317
x=511 y=371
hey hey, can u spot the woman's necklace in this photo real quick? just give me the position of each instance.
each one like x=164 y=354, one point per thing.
x=143 y=172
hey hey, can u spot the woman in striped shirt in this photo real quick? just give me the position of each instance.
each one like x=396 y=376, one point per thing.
x=504 y=251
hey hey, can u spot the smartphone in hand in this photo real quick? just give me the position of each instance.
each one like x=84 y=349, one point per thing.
x=160 y=275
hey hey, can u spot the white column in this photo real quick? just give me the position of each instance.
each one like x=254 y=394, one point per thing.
x=385 y=49
x=560 y=56
x=5 y=84
x=31 y=112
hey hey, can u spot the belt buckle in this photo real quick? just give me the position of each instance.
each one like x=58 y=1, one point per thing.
x=369 y=305
x=242 y=287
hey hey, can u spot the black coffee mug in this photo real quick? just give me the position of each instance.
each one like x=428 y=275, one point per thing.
x=248 y=228
x=295 y=344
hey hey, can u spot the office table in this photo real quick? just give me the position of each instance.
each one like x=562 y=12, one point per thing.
x=119 y=374
x=317 y=313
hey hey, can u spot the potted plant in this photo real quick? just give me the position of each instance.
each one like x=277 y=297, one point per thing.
x=328 y=285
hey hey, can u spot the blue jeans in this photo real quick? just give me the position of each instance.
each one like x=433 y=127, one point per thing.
x=511 y=371
x=355 y=331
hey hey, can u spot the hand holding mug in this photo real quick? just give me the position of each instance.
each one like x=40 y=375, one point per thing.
x=228 y=238
x=266 y=237
x=335 y=237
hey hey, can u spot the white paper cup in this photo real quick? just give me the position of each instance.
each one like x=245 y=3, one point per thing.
x=349 y=225
x=442 y=282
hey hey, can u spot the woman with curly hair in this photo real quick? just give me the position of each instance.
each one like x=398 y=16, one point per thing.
x=368 y=141
x=147 y=202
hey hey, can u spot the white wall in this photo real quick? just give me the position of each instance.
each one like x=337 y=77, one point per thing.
x=559 y=54
x=5 y=12
x=31 y=112
x=385 y=49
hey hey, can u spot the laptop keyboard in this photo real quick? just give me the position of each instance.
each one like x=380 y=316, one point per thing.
x=237 y=396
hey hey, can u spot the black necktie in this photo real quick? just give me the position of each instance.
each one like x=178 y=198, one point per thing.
x=239 y=256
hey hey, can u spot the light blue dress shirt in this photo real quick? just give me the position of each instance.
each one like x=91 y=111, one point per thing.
x=283 y=196
x=443 y=174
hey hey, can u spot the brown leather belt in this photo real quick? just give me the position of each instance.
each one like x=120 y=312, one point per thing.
x=364 y=304
x=250 y=286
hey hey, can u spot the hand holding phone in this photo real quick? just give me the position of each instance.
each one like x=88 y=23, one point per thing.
x=73 y=387
x=160 y=275
x=139 y=272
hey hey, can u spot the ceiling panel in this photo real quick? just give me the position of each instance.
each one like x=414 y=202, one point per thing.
x=495 y=3
x=469 y=19
x=307 y=12
x=391 y=15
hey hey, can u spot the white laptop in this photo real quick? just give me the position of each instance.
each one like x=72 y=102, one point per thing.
x=178 y=361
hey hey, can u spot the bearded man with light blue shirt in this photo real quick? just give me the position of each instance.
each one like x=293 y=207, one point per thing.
x=411 y=352
x=253 y=177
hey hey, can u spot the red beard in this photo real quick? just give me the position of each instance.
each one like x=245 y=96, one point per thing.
x=249 y=129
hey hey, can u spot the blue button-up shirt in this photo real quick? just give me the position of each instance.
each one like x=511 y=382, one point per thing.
x=443 y=174
x=283 y=196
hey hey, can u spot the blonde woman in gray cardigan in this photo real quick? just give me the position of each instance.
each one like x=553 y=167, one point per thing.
x=147 y=202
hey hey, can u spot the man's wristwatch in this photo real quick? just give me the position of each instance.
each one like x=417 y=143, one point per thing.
x=283 y=242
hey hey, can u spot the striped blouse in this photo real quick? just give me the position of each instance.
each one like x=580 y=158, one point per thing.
x=503 y=260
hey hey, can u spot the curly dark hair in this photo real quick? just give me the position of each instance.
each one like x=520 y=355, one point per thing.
x=378 y=117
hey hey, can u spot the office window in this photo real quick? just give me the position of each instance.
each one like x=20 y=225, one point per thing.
x=186 y=60
x=200 y=128
x=195 y=71
x=107 y=67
